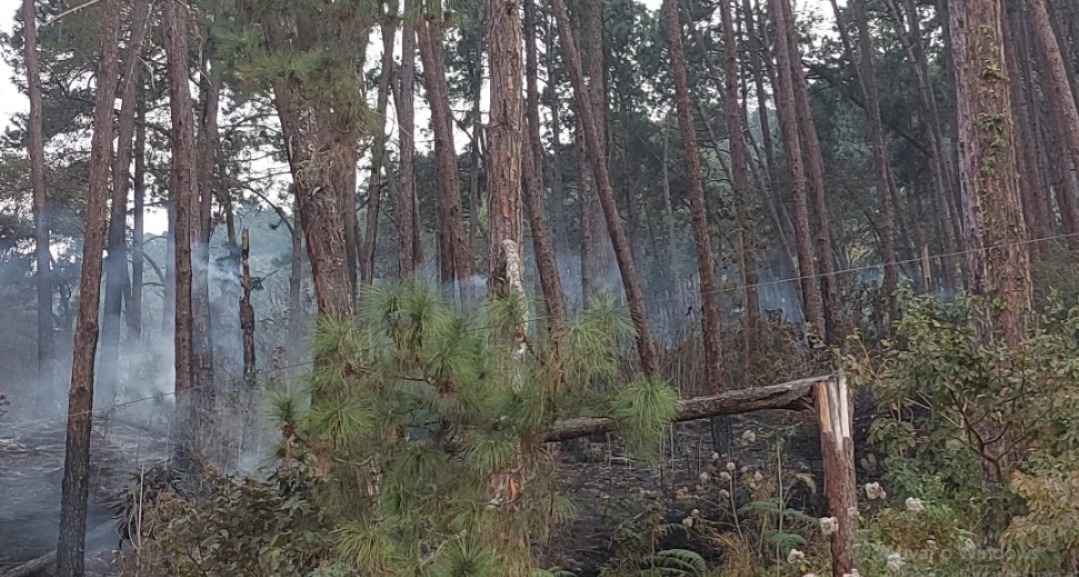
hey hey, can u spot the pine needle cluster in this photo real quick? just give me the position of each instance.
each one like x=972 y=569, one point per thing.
x=426 y=429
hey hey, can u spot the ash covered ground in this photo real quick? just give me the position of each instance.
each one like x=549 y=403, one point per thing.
x=31 y=473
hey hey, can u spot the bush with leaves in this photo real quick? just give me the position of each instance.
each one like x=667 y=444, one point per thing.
x=421 y=432
x=270 y=528
x=979 y=429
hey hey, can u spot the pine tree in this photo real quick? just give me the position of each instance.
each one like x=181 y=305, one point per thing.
x=71 y=546
x=437 y=427
x=312 y=61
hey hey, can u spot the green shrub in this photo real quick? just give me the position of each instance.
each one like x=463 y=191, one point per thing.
x=416 y=447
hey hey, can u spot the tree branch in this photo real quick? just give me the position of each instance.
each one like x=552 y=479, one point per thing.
x=827 y=76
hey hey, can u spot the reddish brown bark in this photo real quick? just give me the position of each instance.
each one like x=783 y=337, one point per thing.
x=407 y=220
x=706 y=264
x=1032 y=184
x=998 y=263
x=646 y=347
x=71 y=545
x=42 y=254
x=594 y=257
x=184 y=185
x=455 y=260
x=1056 y=81
x=505 y=135
x=202 y=356
x=788 y=120
x=739 y=182
x=814 y=165
x=532 y=156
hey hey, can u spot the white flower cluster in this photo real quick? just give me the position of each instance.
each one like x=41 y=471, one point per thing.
x=915 y=505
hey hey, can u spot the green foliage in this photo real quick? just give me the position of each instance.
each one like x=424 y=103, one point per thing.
x=419 y=437
x=676 y=563
x=254 y=528
x=1050 y=528
x=644 y=410
x=930 y=541
x=982 y=433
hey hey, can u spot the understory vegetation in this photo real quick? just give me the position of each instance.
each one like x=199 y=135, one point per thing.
x=416 y=448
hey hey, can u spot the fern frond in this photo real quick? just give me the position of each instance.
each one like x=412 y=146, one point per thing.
x=679 y=563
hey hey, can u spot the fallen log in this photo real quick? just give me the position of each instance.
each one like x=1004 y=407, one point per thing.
x=790 y=396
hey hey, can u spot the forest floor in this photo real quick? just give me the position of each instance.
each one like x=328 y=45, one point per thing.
x=608 y=490
x=31 y=474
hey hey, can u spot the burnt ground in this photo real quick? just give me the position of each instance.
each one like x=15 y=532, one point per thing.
x=31 y=473
x=601 y=481
x=606 y=487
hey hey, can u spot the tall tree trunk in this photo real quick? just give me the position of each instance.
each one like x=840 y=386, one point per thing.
x=1026 y=156
x=134 y=307
x=317 y=140
x=668 y=208
x=1056 y=81
x=348 y=178
x=475 y=72
x=505 y=135
x=739 y=163
x=116 y=278
x=1063 y=188
x=558 y=170
x=586 y=199
x=378 y=151
x=42 y=253
x=788 y=120
x=645 y=344
x=558 y=176
x=168 y=315
x=815 y=179
x=202 y=354
x=755 y=52
x=592 y=33
x=407 y=250
x=532 y=155
x=70 y=549
x=998 y=261
x=184 y=186
x=1033 y=133
x=867 y=74
x=456 y=260
x=706 y=264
